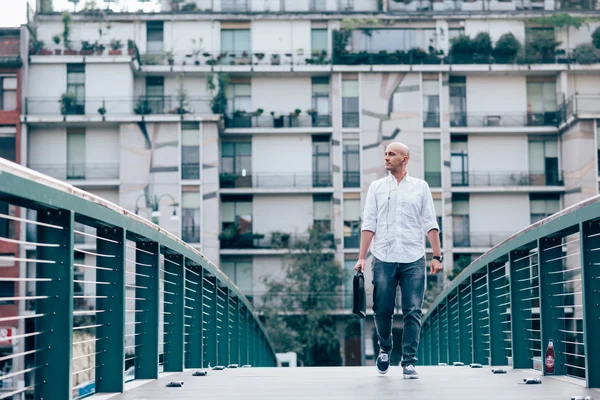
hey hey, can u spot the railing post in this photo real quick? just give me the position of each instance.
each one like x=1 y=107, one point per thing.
x=497 y=355
x=590 y=284
x=194 y=319
x=174 y=312
x=519 y=282
x=464 y=316
x=479 y=317
x=550 y=263
x=147 y=303
x=110 y=334
x=223 y=309
x=55 y=342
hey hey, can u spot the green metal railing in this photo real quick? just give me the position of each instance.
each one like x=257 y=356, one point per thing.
x=92 y=316
x=540 y=285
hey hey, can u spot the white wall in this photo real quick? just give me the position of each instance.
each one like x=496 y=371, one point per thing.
x=178 y=38
x=280 y=37
x=576 y=37
x=122 y=31
x=111 y=195
x=47 y=82
x=496 y=28
x=583 y=84
x=501 y=95
x=47 y=146
x=265 y=268
x=281 y=95
x=111 y=82
x=102 y=146
x=290 y=214
x=498 y=212
x=498 y=153
x=284 y=155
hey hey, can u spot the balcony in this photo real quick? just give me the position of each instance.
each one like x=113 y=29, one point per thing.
x=503 y=179
x=275 y=120
x=291 y=6
x=478 y=240
x=190 y=171
x=351 y=179
x=431 y=119
x=270 y=241
x=273 y=181
x=503 y=120
x=10 y=61
x=352 y=241
x=350 y=120
x=89 y=172
x=190 y=234
x=118 y=106
x=433 y=179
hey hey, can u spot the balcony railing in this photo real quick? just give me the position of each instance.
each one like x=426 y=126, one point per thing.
x=190 y=171
x=351 y=179
x=111 y=106
x=506 y=120
x=507 y=179
x=10 y=61
x=243 y=57
x=352 y=241
x=190 y=234
x=252 y=120
x=273 y=240
x=279 y=180
x=350 y=120
x=78 y=171
x=431 y=119
x=433 y=179
x=480 y=239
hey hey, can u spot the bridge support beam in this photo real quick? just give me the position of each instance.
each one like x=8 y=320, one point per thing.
x=174 y=276
x=590 y=283
x=110 y=361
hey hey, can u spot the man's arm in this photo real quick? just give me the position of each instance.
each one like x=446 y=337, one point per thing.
x=368 y=228
x=433 y=230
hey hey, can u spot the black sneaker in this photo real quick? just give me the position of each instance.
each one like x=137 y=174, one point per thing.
x=410 y=372
x=383 y=362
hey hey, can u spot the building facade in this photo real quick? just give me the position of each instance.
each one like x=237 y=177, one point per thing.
x=252 y=121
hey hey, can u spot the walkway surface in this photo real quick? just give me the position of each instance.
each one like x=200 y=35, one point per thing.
x=343 y=383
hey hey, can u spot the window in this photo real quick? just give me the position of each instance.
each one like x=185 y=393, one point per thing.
x=7 y=289
x=76 y=167
x=320 y=101
x=190 y=150
x=351 y=223
x=318 y=41
x=543 y=163
x=459 y=161
x=350 y=112
x=322 y=213
x=7 y=226
x=235 y=43
x=236 y=222
x=455 y=33
x=458 y=101
x=190 y=214
x=317 y=5
x=543 y=205
x=541 y=102
x=234 y=5
x=351 y=164
x=431 y=101
x=155 y=94
x=154 y=37
x=460 y=220
x=236 y=164
x=8 y=93
x=597 y=144
x=239 y=97
x=392 y=40
x=321 y=161
x=239 y=270
x=8 y=147
x=75 y=87
x=433 y=163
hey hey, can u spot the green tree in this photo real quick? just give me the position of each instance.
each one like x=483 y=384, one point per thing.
x=298 y=309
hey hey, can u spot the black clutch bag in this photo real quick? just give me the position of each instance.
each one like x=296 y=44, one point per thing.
x=359 y=305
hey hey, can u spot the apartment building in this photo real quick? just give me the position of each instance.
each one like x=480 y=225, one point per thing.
x=239 y=124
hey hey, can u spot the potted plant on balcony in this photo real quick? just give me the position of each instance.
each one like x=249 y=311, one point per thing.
x=196 y=50
x=99 y=48
x=275 y=59
x=87 y=49
x=67 y=103
x=56 y=39
x=277 y=120
x=585 y=53
x=227 y=180
x=259 y=56
x=115 y=48
x=142 y=107
x=507 y=48
x=170 y=57
x=41 y=49
x=131 y=47
x=102 y=111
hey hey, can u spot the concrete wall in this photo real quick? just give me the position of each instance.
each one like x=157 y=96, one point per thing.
x=47 y=82
x=496 y=28
x=178 y=38
x=290 y=214
x=89 y=31
x=280 y=37
x=580 y=173
x=583 y=84
x=47 y=146
x=497 y=95
x=287 y=154
x=102 y=145
x=281 y=95
x=575 y=37
x=211 y=218
x=498 y=212
x=113 y=81
x=510 y=153
x=265 y=268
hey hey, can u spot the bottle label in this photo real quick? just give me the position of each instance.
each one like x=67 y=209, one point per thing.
x=549 y=362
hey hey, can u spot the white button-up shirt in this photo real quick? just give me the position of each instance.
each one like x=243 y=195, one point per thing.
x=400 y=214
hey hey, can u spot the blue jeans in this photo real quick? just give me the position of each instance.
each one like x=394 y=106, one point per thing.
x=411 y=278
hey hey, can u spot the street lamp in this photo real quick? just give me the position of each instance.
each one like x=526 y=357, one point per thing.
x=155 y=204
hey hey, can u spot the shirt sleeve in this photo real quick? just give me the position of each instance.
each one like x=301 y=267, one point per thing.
x=370 y=211
x=429 y=219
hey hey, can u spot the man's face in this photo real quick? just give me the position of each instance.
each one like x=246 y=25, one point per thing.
x=393 y=159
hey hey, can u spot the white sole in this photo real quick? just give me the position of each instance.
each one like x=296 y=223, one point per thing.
x=383 y=372
x=410 y=377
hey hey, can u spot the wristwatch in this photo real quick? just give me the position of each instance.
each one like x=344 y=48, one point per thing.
x=439 y=258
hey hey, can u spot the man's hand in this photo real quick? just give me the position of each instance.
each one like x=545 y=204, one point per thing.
x=360 y=265
x=435 y=267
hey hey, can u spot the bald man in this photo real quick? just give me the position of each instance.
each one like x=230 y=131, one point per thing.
x=398 y=212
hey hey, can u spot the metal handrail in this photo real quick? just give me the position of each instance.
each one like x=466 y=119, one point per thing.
x=539 y=284
x=152 y=303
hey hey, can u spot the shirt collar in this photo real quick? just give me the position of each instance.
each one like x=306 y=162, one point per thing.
x=407 y=178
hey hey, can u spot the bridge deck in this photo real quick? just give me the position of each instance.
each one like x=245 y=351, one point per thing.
x=356 y=383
